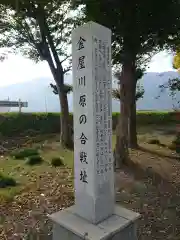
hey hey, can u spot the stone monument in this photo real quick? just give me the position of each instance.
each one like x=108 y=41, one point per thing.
x=94 y=215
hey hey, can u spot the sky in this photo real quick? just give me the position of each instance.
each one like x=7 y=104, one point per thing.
x=18 y=69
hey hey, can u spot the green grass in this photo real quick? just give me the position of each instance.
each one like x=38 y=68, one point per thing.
x=26 y=175
x=24 y=153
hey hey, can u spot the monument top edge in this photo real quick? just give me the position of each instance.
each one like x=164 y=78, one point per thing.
x=91 y=25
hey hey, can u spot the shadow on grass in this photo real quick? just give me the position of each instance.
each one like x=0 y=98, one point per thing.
x=145 y=173
x=159 y=154
x=161 y=130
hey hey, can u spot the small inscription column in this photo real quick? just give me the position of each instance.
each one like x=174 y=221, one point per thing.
x=93 y=164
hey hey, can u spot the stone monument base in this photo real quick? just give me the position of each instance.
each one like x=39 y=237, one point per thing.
x=122 y=225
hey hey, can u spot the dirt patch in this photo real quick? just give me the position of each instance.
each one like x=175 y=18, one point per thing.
x=8 y=144
x=27 y=214
x=151 y=186
x=159 y=206
x=167 y=168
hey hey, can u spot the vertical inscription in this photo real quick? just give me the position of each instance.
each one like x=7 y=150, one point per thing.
x=82 y=101
x=102 y=98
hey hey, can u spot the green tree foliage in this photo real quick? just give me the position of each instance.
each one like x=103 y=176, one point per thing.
x=41 y=31
x=173 y=85
x=3 y=56
x=24 y=31
x=139 y=28
x=176 y=60
x=67 y=88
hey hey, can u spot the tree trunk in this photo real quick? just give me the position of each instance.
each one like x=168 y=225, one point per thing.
x=58 y=74
x=66 y=129
x=121 y=153
x=132 y=143
x=132 y=131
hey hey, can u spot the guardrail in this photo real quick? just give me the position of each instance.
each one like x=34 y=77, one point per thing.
x=8 y=103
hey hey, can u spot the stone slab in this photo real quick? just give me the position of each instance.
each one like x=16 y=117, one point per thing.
x=121 y=225
x=92 y=104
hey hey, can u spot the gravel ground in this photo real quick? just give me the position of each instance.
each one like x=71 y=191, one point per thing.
x=26 y=217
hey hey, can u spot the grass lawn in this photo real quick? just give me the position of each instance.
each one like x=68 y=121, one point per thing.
x=43 y=189
x=26 y=175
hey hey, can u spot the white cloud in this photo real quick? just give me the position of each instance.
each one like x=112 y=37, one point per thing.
x=161 y=62
x=19 y=69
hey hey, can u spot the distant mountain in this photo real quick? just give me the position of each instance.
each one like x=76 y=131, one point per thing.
x=41 y=99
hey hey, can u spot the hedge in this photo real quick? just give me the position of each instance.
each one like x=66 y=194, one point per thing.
x=13 y=124
x=149 y=117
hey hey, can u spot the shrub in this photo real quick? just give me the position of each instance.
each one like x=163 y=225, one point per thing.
x=24 y=153
x=176 y=141
x=33 y=160
x=176 y=144
x=57 y=161
x=154 y=141
x=162 y=145
x=7 y=181
x=172 y=147
x=15 y=124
